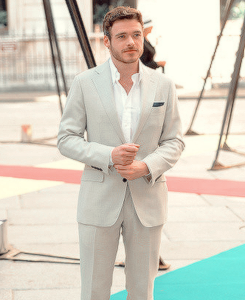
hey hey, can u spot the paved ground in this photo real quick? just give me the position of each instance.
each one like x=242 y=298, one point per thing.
x=42 y=213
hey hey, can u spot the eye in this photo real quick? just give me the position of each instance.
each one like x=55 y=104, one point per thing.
x=121 y=36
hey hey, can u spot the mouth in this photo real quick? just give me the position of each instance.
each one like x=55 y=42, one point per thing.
x=130 y=50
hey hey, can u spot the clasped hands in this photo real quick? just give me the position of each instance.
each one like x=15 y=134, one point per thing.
x=124 y=161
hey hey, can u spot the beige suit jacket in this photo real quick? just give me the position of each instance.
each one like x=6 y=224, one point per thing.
x=91 y=108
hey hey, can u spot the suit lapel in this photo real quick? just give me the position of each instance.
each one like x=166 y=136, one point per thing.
x=103 y=83
x=148 y=92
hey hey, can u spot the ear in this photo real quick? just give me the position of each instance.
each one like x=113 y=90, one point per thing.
x=106 y=41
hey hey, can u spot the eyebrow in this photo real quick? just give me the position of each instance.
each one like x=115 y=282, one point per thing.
x=120 y=33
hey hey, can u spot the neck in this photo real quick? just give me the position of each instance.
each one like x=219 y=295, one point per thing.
x=126 y=70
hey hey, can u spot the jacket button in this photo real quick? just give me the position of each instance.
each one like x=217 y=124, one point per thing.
x=124 y=180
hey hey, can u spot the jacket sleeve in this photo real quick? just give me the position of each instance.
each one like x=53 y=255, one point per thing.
x=170 y=143
x=71 y=136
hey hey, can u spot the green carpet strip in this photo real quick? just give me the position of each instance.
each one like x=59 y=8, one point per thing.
x=220 y=277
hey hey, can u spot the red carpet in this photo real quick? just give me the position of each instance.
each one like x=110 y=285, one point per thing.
x=175 y=184
x=67 y=176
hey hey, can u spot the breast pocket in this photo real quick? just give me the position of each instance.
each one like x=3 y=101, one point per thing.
x=158 y=108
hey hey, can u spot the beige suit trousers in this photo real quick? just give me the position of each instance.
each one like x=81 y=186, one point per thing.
x=98 y=249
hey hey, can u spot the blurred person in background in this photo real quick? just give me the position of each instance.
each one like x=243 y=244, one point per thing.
x=149 y=52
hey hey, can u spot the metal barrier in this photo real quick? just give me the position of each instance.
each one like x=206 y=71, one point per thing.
x=25 y=61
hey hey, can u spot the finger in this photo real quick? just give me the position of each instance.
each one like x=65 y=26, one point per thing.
x=127 y=158
x=131 y=148
x=129 y=153
x=121 y=167
x=132 y=144
x=123 y=173
x=126 y=164
x=129 y=162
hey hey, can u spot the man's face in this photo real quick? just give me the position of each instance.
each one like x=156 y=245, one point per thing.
x=126 y=43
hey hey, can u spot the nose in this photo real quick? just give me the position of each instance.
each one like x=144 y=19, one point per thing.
x=130 y=41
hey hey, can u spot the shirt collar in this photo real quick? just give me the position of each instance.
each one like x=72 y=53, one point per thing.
x=115 y=75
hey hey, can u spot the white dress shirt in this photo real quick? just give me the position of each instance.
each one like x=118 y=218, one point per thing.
x=128 y=105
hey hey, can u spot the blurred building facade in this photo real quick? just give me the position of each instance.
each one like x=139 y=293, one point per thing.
x=185 y=34
x=25 y=58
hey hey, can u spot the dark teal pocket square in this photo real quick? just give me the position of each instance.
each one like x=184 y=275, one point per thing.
x=157 y=104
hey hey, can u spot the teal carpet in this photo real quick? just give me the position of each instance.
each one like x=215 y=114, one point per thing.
x=220 y=277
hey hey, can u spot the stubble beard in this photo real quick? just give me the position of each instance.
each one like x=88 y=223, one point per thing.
x=119 y=56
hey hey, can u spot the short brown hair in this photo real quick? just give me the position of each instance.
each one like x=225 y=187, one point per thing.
x=120 y=13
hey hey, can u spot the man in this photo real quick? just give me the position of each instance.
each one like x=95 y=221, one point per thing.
x=131 y=118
